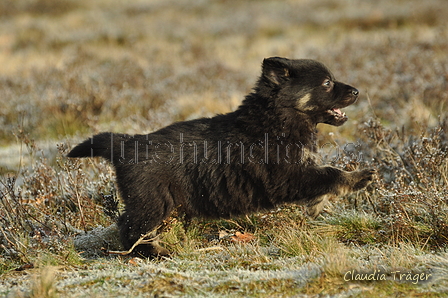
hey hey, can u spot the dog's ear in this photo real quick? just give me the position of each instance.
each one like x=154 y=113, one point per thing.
x=276 y=69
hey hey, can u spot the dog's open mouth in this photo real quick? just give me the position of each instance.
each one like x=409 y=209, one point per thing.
x=337 y=113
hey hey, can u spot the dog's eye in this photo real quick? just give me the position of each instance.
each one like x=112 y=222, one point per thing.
x=328 y=84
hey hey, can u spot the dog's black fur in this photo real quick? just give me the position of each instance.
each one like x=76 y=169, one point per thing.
x=254 y=158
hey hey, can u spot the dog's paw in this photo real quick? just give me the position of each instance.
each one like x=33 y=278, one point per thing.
x=364 y=178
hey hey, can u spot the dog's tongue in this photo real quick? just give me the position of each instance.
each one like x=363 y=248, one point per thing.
x=337 y=111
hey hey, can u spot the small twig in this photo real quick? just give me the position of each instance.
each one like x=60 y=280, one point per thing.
x=15 y=244
x=235 y=223
x=141 y=240
x=371 y=106
x=371 y=203
x=6 y=237
x=426 y=242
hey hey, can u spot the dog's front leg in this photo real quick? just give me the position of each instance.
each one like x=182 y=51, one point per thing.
x=333 y=181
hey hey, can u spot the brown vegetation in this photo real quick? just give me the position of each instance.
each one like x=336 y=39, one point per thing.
x=73 y=68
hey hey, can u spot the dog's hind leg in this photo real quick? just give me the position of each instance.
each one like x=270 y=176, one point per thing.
x=314 y=208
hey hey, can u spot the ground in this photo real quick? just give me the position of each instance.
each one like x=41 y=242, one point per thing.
x=74 y=68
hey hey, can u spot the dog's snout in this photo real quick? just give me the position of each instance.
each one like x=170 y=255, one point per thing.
x=355 y=92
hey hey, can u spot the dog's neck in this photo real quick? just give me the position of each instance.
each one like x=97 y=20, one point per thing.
x=286 y=123
x=301 y=128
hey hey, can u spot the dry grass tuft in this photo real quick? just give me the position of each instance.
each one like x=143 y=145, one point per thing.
x=44 y=284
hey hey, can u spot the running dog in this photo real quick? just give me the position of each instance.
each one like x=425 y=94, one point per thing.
x=259 y=156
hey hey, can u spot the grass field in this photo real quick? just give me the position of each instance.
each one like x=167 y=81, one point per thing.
x=72 y=68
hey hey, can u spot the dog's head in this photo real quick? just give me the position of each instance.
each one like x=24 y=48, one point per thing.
x=308 y=87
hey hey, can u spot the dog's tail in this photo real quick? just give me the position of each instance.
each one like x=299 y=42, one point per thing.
x=98 y=145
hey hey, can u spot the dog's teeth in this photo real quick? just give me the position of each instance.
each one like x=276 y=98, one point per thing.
x=337 y=111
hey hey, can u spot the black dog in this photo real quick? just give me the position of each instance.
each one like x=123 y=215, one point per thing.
x=259 y=156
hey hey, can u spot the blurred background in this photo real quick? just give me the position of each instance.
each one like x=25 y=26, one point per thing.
x=71 y=68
